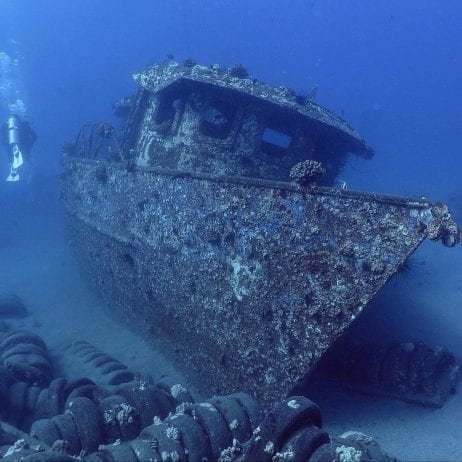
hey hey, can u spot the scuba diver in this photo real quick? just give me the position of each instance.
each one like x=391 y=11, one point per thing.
x=18 y=137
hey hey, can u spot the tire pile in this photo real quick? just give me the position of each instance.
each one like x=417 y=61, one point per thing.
x=409 y=371
x=118 y=416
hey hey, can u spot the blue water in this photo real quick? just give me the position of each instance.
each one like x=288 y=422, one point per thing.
x=392 y=68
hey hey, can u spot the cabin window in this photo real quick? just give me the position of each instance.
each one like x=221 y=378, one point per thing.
x=279 y=139
x=217 y=119
x=167 y=109
x=275 y=141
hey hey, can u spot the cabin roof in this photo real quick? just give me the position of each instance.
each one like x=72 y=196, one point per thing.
x=160 y=76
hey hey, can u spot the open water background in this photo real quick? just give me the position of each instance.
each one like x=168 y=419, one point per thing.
x=392 y=68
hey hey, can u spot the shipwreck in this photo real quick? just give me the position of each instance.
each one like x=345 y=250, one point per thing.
x=214 y=224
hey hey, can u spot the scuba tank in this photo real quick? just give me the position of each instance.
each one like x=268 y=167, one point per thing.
x=13 y=126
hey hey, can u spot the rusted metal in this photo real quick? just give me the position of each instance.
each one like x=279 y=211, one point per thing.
x=201 y=241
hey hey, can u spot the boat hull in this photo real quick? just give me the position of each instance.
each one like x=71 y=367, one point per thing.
x=244 y=282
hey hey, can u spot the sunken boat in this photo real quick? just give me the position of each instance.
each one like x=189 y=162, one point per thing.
x=214 y=225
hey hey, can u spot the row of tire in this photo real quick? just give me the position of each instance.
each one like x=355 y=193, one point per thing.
x=409 y=371
x=26 y=357
x=218 y=430
x=139 y=421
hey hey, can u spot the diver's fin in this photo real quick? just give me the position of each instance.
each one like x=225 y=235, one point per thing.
x=13 y=176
